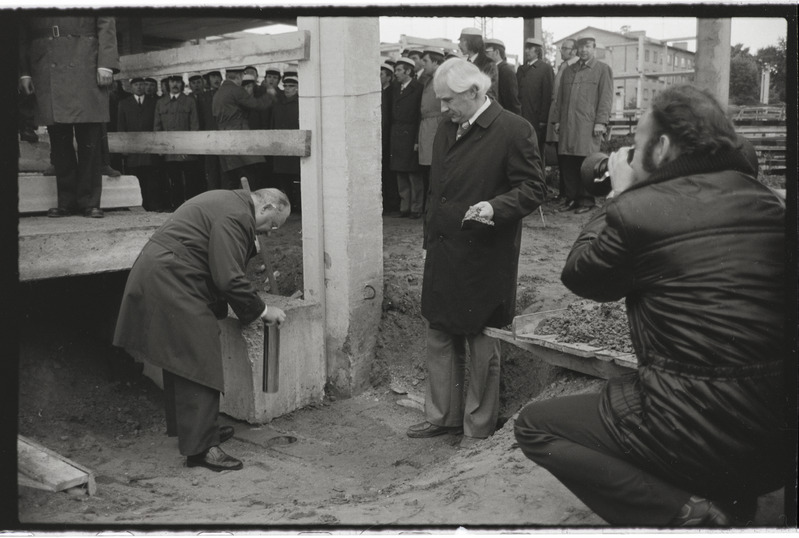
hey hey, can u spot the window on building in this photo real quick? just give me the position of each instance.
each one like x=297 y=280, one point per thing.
x=655 y=56
x=668 y=62
x=646 y=55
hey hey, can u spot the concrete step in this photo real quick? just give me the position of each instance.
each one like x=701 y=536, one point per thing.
x=38 y=193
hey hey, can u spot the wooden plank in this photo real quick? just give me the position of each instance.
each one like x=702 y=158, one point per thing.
x=267 y=49
x=38 y=193
x=290 y=142
x=52 y=471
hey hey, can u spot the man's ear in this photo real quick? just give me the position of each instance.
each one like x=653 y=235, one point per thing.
x=664 y=150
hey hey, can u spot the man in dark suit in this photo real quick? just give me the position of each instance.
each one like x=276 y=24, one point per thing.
x=71 y=61
x=406 y=100
x=137 y=113
x=213 y=170
x=388 y=182
x=507 y=85
x=472 y=47
x=180 y=285
x=486 y=163
x=535 y=79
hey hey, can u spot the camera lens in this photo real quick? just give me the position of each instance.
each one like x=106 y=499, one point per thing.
x=594 y=174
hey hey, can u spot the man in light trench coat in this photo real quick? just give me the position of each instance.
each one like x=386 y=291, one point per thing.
x=180 y=285
x=484 y=158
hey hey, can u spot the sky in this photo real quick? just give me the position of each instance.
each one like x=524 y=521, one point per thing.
x=754 y=33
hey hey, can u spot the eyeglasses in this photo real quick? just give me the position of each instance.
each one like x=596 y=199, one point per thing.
x=567 y=48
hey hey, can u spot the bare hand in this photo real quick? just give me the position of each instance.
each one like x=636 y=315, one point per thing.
x=274 y=316
x=104 y=78
x=26 y=85
x=621 y=174
x=485 y=210
x=556 y=128
x=599 y=129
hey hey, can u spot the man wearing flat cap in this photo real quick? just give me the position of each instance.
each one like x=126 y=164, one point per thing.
x=136 y=113
x=471 y=45
x=176 y=111
x=406 y=101
x=582 y=112
x=507 y=86
x=535 y=79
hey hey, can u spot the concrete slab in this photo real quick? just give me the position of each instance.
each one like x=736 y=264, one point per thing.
x=302 y=373
x=38 y=193
x=51 y=248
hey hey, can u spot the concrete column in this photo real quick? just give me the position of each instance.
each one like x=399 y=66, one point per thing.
x=341 y=212
x=713 y=58
x=532 y=28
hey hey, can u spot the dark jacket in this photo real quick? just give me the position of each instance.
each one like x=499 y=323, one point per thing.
x=231 y=104
x=470 y=275
x=535 y=93
x=180 y=283
x=133 y=117
x=698 y=251
x=64 y=69
x=286 y=115
x=385 y=124
x=177 y=115
x=205 y=108
x=488 y=67
x=405 y=118
x=508 y=88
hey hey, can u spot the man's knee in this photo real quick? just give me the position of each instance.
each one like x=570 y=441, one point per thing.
x=530 y=430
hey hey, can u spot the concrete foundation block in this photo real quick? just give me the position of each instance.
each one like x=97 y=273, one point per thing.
x=38 y=193
x=302 y=363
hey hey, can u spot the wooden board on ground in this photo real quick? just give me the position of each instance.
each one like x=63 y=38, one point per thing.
x=41 y=468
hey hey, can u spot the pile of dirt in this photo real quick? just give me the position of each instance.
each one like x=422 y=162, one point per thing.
x=600 y=325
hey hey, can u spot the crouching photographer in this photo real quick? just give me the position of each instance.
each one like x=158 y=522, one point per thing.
x=695 y=244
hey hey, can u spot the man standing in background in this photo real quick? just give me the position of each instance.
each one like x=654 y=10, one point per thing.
x=568 y=55
x=582 y=112
x=472 y=47
x=507 y=85
x=430 y=113
x=388 y=183
x=405 y=115
x=535 y=89
x=70 y=62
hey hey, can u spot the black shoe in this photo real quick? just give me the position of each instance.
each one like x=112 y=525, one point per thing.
x=215 y=459
x=583 y=209
x=57 y=212
x=93 y=213
x=416 y=215
x=700 y=512
x=404 y=214
x=568 y=206
x=225 y=433
x=28 y=135
x=110 y=172
x=426 y=429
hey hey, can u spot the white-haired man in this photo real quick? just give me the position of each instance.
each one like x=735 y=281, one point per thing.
x=192 y=267
x=485 y=160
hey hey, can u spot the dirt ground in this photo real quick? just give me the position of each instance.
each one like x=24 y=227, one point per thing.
x=351 y=465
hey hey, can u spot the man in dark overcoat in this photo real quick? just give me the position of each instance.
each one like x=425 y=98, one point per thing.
x=388 y=182
x=136 y=113
x=472 y=47
x=71 y=62
x=176 y=111
x=286 y=115
x=484 y=159
x=230 y=106
x=406 y=100
x=187 y=274
x=535 y=79
x=507 y=85
x=213 y=171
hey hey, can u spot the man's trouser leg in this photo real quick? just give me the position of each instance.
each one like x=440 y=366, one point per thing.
x=482 y=398
x=89 y=137
x=566 y=437
x=213 y=172
x=177 y=185
x=65 y=162
x=570 y=175
x=404 y=189
x=446 y=369
x=196 y=408
x=541 y=135
x=417 y=192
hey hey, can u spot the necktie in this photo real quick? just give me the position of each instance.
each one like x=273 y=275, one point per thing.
x=462 y=128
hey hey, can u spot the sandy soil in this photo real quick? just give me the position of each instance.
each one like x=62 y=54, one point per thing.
x=352 y=466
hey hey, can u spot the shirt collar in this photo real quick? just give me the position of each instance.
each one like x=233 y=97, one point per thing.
x=403 y=86
x=480 y=110
x=473 y=57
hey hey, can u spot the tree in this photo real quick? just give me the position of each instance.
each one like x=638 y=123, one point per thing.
x=550 y=50
x=773 y=59
x=744 y=77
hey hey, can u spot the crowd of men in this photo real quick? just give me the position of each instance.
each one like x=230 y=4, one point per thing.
x=569 y=111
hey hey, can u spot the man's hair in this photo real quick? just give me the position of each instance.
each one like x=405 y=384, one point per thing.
x=460 y=75
x=231 y=74
x=693 y=120
x=538 y=49
x=573 y=42
x=474 y=43
x=274 y=197
x=500 y=49
x=436 y=58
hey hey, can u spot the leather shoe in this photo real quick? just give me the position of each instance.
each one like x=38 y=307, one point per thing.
x=215 y=459
x=225 y=433
x=57 y=212
x=700 y=512
x=583 y=209
x=93 y=213
x=426 y=429
x=111 y=172
x=568 y=206
x=28 y=135
x=468 y=442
